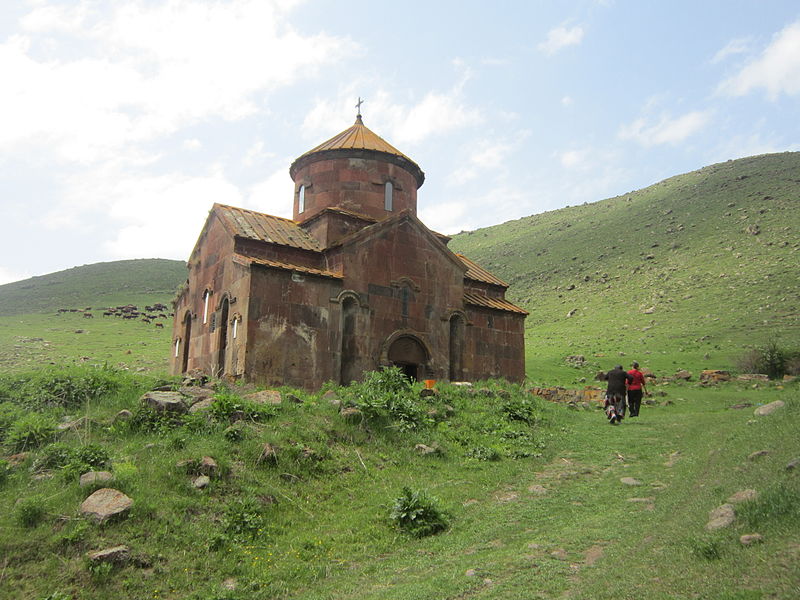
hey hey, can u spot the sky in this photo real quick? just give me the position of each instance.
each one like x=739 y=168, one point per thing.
x=123 y=121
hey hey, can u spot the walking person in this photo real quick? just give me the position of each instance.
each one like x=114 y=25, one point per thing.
x=636 y=389
x=618 y=381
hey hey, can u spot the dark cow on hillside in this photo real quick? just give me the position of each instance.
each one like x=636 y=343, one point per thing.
x=160 y=325
x=88 y=315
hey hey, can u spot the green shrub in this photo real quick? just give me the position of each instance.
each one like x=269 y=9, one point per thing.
x=771 y=359
x=9 y=413
x=778 y=504
x=244 y=518
x=417 y=514
x=5 y=469
x=520 y=408
x=387 y=395
x=67 y=387
x=228 y=405
x=31 y=431
x=148 y=420
x=706 y=548
x=30 y=511
x=483 y=453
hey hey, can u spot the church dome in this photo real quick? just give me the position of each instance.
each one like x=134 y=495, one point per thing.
x=355 y=171
x=354 y=141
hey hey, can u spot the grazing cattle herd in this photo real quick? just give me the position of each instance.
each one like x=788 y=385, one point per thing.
x=149 y=315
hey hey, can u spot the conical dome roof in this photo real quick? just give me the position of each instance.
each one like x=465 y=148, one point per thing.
x=355 y=141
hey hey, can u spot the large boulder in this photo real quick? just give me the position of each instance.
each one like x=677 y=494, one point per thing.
x=720 y=517
x=167 y=402
x=105 y=504
x=265 y=397
x=117 y=555
x=768 y=409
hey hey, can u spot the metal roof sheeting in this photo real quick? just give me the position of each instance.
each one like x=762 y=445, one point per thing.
x=265 y=228
x=495 y=303
x=358 y=137
x=247 y=261
x=478 y=273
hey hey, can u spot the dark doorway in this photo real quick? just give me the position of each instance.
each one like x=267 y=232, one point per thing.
x=456 y=348
x=409 y=355
x=223 y=337
x=349 y=314
x=187 y=336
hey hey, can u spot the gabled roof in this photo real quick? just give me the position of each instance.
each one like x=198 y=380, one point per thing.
x=495 y=303
x=477 y=273
x=405 y=215
x=274 y=264
x=253 y=225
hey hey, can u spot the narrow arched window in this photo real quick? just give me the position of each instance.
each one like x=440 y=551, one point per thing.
x=388 y=190
x=177 y=347
x=206 y=297
x=301 y=199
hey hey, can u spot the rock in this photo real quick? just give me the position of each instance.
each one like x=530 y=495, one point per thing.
x=105 y=504
x=208 y=466
x=229 y=584
x=752 y=229
x=201 y=482
x=73 y=425
x=123 y=415
x=425 y=450
x=793 y=464
x=572 y=313
x=16 y=460
x=294 y=399
x=743 y=496
x=740 y=405
x=768 y=409
x=269 y=454
x=471 y=572
x=351 y=414
x=720 y=517
x=683 y=374
x=647 y=500
x=649 y=311
x=195 y=394
x=201 y=406
x=753 y=377
x=171 y=402
x=758 y=454
x=537 y=489
x=96 y=477
x=265 y=397
x=117 y=555
x=630 y=481
x=331 y=397
x=559 y=554
x=751 y=538
x=714 y=375
x=427 y=393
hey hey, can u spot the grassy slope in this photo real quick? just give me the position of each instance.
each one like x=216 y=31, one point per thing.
x=32 y=333
x=328 y=536
x=678 y=247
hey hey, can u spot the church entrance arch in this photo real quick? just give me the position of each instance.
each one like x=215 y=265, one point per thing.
x=187 y=336
x=223 y=337
x=409 y=354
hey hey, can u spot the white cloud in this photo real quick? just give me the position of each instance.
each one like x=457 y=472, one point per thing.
x=436 y=113
x=446 y=217
x=192 y=144
x=153 y=68
x=572 y=158
x=737 y=46
x=777 y=70
x=667 y=130
x=9 y=275
x=274 y=195
x=560 y=37
x=567 y=101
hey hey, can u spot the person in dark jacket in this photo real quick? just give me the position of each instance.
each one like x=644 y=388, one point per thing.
x=618 y=381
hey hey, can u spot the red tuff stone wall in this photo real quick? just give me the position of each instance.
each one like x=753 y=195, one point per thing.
x=292 y=329
x=210 y=268
x=495 y=344
x=407 y=284
x=355 y=185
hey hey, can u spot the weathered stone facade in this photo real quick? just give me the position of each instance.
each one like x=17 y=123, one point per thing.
x=353 y=282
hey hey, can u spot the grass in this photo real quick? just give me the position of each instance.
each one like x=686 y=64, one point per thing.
x=666 y=275
x=318 y=522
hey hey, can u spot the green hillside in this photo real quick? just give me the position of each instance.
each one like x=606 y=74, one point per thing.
x=101 y=284
x=685 y=273
x=34 y=333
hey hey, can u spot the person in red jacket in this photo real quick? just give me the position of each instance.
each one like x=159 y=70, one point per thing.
x=635 y=390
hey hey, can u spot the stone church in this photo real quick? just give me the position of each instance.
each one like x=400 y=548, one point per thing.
x=354 y=281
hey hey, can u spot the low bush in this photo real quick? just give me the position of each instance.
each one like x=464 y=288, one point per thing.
x=30 y=511
x=387 y=395
x=228 y=406
x=417 y=514
x=244 y=518
x=706 y=548
x=9 y=413
x=771 y=359
x=30 y=431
